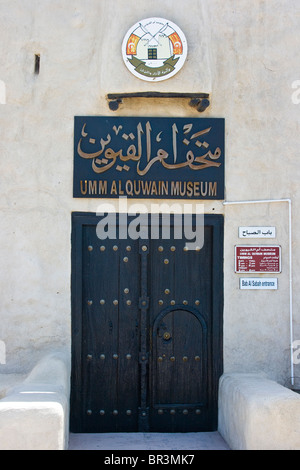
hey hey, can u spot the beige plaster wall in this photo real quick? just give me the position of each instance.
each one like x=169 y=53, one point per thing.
x=242 y=52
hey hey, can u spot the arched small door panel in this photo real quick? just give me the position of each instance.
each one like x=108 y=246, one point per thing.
x=179 y=370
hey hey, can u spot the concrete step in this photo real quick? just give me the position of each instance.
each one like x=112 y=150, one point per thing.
x=148 y=441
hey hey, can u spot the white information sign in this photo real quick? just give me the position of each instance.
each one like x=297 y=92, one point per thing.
x=259 y=283
x=257 y=232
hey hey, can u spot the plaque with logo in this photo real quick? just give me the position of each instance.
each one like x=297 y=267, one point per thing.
x=154 y=49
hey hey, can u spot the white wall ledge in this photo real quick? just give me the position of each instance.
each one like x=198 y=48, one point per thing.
x=258 y=414
x=34 y=415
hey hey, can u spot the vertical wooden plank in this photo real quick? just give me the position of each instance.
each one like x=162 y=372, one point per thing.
x=163 y=361
x=190 y=359
x=128 y=363
x=100 y=328
x=76 y=301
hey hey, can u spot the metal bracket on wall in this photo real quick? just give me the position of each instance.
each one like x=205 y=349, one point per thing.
x=200 y=101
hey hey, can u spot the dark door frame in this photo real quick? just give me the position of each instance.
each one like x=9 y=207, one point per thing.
x=216 y=221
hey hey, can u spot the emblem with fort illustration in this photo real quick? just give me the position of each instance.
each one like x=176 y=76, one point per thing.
x=154 y=49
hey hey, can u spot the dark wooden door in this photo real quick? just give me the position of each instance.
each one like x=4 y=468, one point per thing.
x=146 y=331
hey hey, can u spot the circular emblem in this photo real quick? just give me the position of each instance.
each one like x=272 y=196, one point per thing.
x=154 y=49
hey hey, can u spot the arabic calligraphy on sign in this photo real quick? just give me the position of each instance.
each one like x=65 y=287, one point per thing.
x=111 y=157
x=151 y=149
x=257 y=232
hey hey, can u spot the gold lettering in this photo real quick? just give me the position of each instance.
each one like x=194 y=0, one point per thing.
x=137 y=190
x=175 y=188
x=129 y=187
x=163 y=188
x=121 y=192
x=113 y=189
x=102 y=187
x=154 y=188
x=196 y=189
x=203 y=191
x=93 y=187
x=146 y=187
x=212 y=189
x=182 y=188
x=190 y=189
x=83 y=191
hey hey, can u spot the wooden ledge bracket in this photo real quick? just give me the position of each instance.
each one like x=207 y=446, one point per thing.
x=200 y=101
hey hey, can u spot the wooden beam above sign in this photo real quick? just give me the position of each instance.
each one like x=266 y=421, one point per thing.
x=199 y=101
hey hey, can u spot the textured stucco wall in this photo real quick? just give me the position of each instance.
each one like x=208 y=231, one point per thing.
x=243 y=52
x=256 y=413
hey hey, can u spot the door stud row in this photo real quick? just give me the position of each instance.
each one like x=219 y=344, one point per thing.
x=172 y=358
x=114 y=412
x=173 y=411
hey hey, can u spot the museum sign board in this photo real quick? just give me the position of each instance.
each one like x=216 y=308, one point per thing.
x=144 y=157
